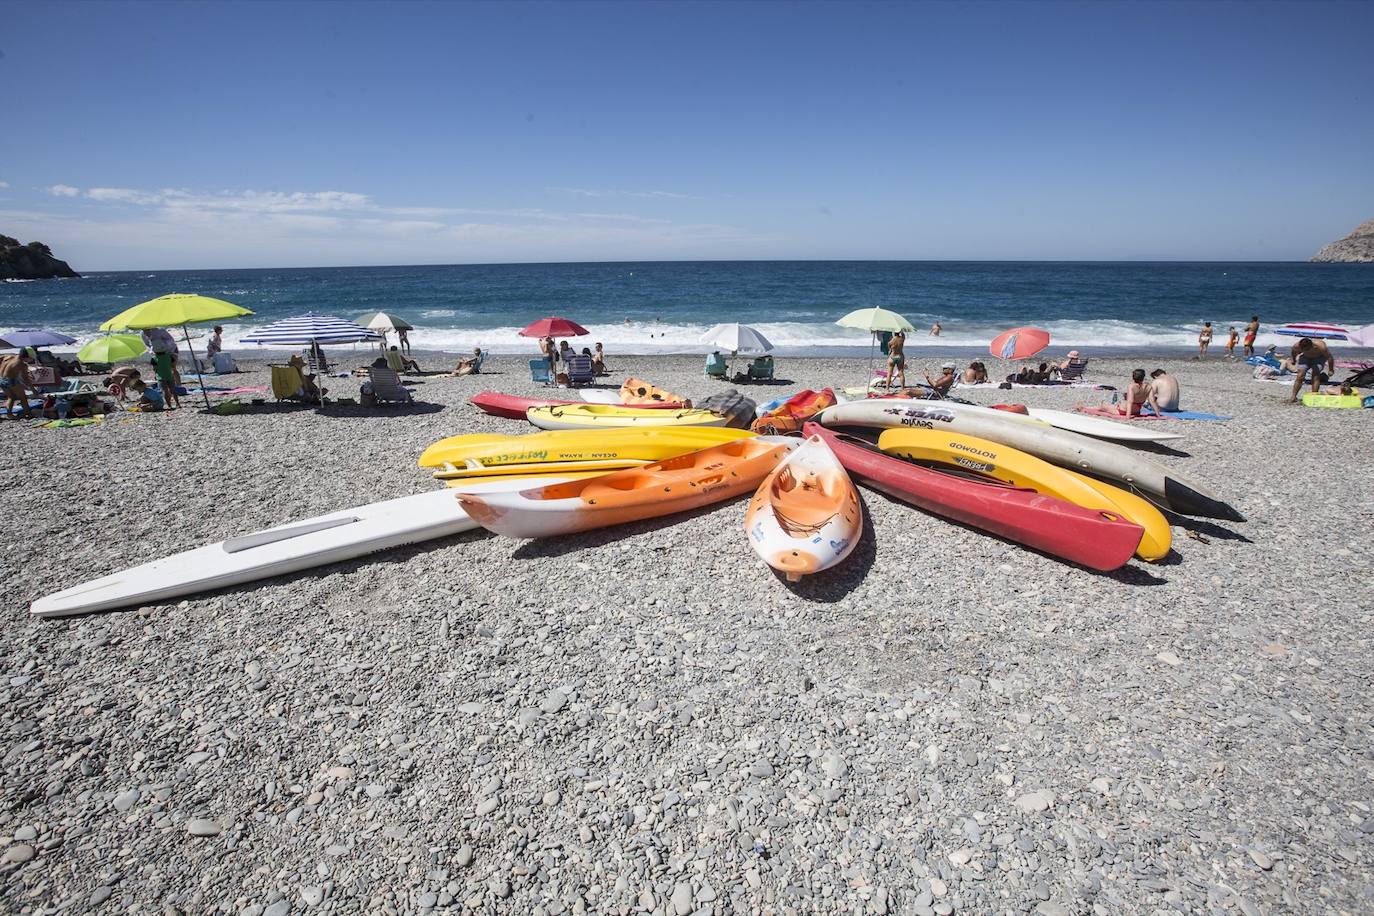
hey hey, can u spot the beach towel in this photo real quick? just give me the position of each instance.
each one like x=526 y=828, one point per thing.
x=1339 y=401
x=1147 y=413
x=735 y=407
x=286 y=382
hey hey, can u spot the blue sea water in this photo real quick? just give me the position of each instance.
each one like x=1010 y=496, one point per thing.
x=649 y=307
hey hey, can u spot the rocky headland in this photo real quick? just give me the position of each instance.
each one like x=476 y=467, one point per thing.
x=33 y=261
x=1355 y=248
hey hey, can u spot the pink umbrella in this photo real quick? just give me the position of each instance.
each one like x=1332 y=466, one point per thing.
x=1019 y=343
x=554 y=327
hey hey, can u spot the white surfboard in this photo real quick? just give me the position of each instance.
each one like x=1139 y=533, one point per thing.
x=1100 y=427
x=286 y=548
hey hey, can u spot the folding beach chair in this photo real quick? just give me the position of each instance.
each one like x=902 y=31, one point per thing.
x=715 y=366
x=539 y=371
x=761 y=369
x=387 y=387
x=286 y=382
x=579 y=369
x=1073 y=372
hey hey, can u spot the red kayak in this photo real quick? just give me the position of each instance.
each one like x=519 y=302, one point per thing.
x=510 y=406
x=1098 y=540
x=513 y=407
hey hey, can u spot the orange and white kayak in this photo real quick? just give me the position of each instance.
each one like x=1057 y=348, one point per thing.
x=806 y=517
x=678 y=484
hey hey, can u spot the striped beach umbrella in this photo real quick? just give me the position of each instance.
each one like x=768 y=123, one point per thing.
x=1314 y=329
x=310 y=328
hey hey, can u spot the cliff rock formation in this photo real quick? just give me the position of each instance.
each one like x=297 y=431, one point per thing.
x=1355 y=248
x=33 y=261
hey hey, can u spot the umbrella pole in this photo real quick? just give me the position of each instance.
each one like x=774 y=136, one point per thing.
x=192 y=350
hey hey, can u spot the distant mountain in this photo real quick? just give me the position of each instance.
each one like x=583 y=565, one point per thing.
x=33 y=261
x=1355 y=248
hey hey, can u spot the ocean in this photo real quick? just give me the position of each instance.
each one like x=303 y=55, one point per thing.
x=663 y=307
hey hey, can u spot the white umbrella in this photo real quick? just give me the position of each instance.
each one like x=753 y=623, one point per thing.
x=737 y=338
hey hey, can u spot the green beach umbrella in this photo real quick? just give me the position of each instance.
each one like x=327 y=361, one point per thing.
x=176 y=310
x=875 y=321
x=112 y=348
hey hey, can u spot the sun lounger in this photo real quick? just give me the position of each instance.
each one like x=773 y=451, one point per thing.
x=387 y=387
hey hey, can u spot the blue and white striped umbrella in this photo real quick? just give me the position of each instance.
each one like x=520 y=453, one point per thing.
x=310 y=328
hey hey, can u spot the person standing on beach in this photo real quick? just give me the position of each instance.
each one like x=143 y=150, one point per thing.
x=166 y=379
x=1251 y=332
x=17 y=381
x=896 y=359
x=403 y=338
x=162 y=343
x=1309 y=356
x=1232 y=338
x=1204 y=339
x=550 y=354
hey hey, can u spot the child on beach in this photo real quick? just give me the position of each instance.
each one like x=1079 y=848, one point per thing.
x=1204 y=339
x=1232 y=338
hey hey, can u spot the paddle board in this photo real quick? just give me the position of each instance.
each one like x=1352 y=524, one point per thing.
x=287 y=548
x=1098 y=427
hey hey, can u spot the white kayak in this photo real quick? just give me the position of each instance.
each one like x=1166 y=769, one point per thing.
x=600 y=395
x=286 y=548
x=1099 y=427
x=1058 y=446
x=806 y=516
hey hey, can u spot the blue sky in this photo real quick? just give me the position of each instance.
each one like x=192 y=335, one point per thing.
x=240 y=135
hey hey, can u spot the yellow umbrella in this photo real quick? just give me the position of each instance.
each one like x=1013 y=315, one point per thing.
x=176 y=310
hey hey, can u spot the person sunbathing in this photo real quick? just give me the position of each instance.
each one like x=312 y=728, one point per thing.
x=975 y=374
x=942 y=383
x=1163 y=391
x=1137 y=394
x=467 y=366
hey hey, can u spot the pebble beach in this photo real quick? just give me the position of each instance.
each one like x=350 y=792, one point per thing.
x=645 y=719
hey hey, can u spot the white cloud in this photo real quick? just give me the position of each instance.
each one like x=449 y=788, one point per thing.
x=592 y=192
x=4 y=184
x=63 y=190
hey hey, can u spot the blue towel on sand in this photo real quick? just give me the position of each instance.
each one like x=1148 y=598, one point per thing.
x=1182 y=414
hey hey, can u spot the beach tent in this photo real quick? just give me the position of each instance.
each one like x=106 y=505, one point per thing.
x=177 y=310
x=1019 y=343
x=1361 y=337
x=876 y=321
x=736 y=338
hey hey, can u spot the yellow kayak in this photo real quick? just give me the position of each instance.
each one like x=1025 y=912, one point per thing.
x=457 y=476
x=991 y=459
x=485 y=450
x=609 y=416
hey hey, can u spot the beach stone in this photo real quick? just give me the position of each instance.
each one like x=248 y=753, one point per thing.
x=1169 y=658
x=25 y=834
x=19 y=853
x=312 y=895
x=1034 y=802
x=126 y=800
x=280 y=908
x=681 y=899
x=1262 y=860
x=202 y=827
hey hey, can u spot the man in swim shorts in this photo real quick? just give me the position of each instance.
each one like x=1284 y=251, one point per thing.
x=1251 y=332
x=896 y=359
x=1309 y=356
x=16 y=381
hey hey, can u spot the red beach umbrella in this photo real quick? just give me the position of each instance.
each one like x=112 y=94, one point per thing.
x=554 y=327
x=1019 y=343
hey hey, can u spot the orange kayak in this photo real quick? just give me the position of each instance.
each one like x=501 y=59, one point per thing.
x=789 y=416
x=675 y=485
x=637 y=393
x=806 y=517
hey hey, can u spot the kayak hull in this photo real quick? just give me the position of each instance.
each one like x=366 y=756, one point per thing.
x=678 y=484
x=510 y=406
x=606 y=416
x=806 y=516
x=1035 y=437
x=1091 y=538
x=487 y=450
